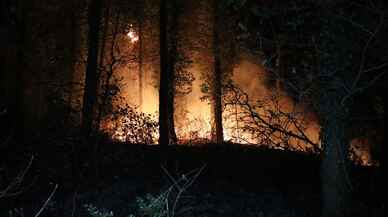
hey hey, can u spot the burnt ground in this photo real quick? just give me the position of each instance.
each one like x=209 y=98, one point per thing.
x=235 y=181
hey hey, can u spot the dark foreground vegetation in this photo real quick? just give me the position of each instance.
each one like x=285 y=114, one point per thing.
x=212 y=180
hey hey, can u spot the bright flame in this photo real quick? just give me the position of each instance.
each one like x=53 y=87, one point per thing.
x=133 y=37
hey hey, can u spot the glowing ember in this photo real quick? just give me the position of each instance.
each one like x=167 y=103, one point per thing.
x=119 y=135
x=360 y=151
x=126 y=130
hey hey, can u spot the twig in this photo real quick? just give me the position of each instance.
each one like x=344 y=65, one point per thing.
x=16 y=181
x=376 y=67
x=365 y=49
x=47 y=201
x=74 y=204
x=185 y=186
x=361 y=27
x=8 y=138
x=170 y=211
x=175 y=183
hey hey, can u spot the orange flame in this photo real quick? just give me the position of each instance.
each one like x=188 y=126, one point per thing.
x=132 y=35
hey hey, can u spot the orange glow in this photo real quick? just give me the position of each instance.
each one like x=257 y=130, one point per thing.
x=193 y=116
x=193 y=120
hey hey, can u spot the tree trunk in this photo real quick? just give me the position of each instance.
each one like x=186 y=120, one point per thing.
x=383 y=170
x=83 y=152
x=103 y=98
x=167 y=77
x=217 y=82
x=335 y=180
x=101 y=64
x=72 y=59
x=18 y=78
x=91 y=77
x=334 y=177
x=172 y=39
x=164 y=137
x=140 y=58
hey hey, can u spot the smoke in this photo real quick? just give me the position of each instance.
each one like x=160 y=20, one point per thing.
x=271 y=102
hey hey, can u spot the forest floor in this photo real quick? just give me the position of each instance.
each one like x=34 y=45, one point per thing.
x=222 y=181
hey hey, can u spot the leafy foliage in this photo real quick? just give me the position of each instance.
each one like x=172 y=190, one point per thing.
x=95 y=212
x=153 y=206
x=167 y=203
x=129 y=125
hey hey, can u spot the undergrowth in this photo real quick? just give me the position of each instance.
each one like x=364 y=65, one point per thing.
x=167 y=203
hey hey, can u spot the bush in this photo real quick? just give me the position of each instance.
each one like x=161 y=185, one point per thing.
x=127 y=124
x=165 y=204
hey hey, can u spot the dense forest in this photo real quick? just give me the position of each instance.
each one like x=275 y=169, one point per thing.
x=170 y=108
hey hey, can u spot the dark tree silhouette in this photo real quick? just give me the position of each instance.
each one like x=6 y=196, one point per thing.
x=91 y=76
x=217 y=77
x=18 y=78
x=167 y=76
x=338 y=76
x=164 y=136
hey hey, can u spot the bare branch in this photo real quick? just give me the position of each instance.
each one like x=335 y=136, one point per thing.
x=374 y=68
x=11 y=188
x=273 y=124
x=47 y=201
x=365 y=49
x=359 y=26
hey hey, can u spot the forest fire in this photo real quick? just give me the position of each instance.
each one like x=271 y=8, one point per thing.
x=254 y=112
x=280 y=105
x=195 y=123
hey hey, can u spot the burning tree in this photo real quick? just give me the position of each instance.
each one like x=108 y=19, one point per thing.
x=122 y=52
